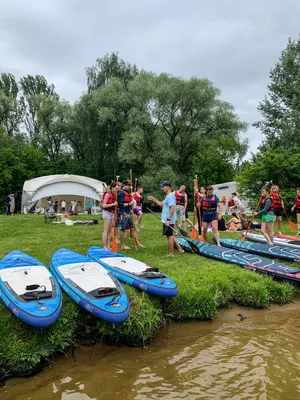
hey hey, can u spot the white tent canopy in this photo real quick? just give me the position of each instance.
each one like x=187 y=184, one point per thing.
x=58 y=187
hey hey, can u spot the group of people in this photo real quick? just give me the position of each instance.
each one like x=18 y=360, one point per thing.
x=10 y=204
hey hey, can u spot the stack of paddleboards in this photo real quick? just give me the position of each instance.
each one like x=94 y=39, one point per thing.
x=90 y=285
x=245 y=259
x=29 y=290
x=282 y=241
x=135 y=273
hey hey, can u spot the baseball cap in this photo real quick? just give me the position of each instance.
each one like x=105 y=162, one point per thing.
x=125 y=183
x=165 y=183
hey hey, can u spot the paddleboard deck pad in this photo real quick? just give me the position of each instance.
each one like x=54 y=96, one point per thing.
x=245 y=260
x=281 y=242
x=264 y=249
x=90 y=285
x=29 y=290
x=134 y=272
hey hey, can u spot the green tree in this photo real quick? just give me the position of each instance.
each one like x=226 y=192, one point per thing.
x=10 y=109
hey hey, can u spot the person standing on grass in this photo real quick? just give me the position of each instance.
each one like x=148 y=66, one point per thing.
x=168 y=216
x=90 y=206
x=267 y=215
x=125 y=216
x=109 y=204
x=181 y=205
x=63 y=206
x=12 y=204
x=278 y=206
x=210 y=203
x=138 y=198
x=7 y=204
x=296 y=208
x=199 y=195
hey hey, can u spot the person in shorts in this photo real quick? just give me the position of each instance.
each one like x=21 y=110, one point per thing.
x=296 y=208
x=125 y=217
x=278 y=206
x=109 y=205
x=210 y=203
x=267 y=215
x=138 y=198
x=168 y=216
x=181 y=206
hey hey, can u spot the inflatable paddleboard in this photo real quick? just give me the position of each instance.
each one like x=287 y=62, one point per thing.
x=135 y=273
x=264 y=249
x=289 y=237
x=29 y=290
x=90 y=285
x=245 y=260
x=281 y=242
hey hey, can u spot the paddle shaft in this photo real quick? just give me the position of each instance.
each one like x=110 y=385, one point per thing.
x=252 y=219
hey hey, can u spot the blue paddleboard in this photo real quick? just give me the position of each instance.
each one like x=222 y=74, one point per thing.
x=90 y=285
x=29 y=290
x=135 y=273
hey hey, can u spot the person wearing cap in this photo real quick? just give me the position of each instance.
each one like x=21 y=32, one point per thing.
x=168 y=216
x=125 y=216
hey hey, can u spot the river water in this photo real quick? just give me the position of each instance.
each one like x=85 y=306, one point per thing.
x=258 y=358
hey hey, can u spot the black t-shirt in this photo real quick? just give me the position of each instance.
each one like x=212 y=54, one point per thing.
x=221 y=224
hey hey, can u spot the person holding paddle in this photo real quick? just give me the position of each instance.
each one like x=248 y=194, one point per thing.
x=210 y=203
x=267 y=215
x=109 y=204
x=125 y=222
x=278 y=206
x=296 y=208
x=168 y=216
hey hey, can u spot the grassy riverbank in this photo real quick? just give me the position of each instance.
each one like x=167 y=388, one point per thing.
x=204 y=286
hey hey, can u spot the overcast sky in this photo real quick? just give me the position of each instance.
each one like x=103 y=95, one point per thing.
x=234 y=43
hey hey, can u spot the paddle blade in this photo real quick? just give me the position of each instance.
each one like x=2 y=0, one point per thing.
x=114 y=245
x=201 y=239
x=193 y=234
x=292 y=225
x=193 y=246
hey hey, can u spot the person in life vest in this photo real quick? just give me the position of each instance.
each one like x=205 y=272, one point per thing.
x=199 y=195
x=138 y=198
x=109 y=204
x=181 y=205
x=267 y=215
x=210 y=203
x=125 y=217
x=296 y=208
x=278 y=206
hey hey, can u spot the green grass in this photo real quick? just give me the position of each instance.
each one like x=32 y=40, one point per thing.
x=204 y=287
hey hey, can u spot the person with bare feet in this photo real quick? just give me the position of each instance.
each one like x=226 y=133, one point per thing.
x=168 y=216
x=138 y=197
x=267 y=215
x=209 y=205
x=109 y=205
x=125 y=217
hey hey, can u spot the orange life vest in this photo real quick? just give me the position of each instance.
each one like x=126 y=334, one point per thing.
x=180 y=198
x=209 y=204
x=276 y=200
x=262 y=204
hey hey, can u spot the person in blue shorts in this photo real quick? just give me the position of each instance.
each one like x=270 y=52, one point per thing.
x=168 y=216
x=210 y=203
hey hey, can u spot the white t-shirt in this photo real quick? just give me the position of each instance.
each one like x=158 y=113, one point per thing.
x=239 y=206
x=63 y=204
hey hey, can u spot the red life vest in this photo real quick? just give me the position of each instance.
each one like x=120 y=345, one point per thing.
x=262 y=204
x=139 y=199
x=297 y=204
x=231 y=203
x=209 y=204
x=111 y=200
x=180 y=198
x=276 y=200
x=127 y=197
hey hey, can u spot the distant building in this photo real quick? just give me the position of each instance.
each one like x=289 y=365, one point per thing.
x=225 y=189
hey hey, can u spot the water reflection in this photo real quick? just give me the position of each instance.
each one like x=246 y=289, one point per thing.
x=255 y=359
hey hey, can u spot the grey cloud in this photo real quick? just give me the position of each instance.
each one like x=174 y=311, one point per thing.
x=234 y=43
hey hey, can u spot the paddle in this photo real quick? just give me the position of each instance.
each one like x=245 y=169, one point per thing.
x=132 y=210
x=291 y=224
x=114 y=245
x=193 y=234
x=252 y=219
x=192 y=245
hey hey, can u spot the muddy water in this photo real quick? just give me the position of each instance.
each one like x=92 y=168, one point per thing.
x=258 y=358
